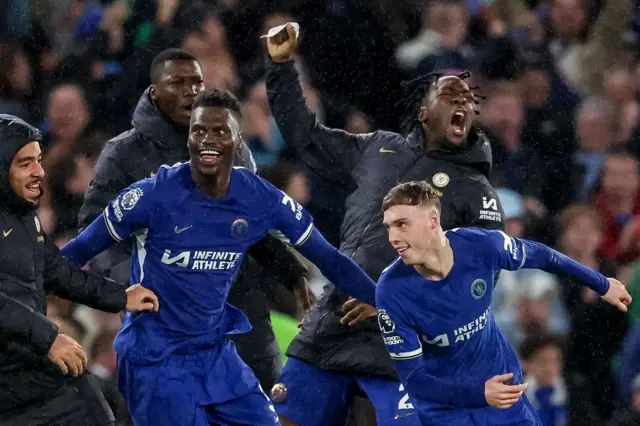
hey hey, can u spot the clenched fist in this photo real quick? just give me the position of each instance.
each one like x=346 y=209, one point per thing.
x=502 y=396
x=283 y=43
x=141 y=299
x=617 y=295
x=67 y=354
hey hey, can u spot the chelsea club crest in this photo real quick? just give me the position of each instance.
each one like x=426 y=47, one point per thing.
x=478 y=288
x=239 y=227
x=130 y=199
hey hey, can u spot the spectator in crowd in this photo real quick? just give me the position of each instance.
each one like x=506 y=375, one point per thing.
x=503 y=117
x=441 y=42
x=629 y=118
x=618 y=203
x=260 y=130
x=593 y=133
x=542 y=363
x=590 y=351
x=533 y=306
x=208 y=44
x=15 y=81
x=583 y=55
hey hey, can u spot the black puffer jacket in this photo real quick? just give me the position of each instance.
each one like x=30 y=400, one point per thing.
x=31 y=267
x=372 y=164
x=137 y=154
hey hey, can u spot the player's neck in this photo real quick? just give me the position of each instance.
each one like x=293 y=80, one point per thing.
x=437 y=262
x=213 y=186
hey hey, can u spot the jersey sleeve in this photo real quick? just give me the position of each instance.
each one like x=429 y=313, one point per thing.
x=291 y=218
x=513 y=253
x=130 y=211
x=400 y=338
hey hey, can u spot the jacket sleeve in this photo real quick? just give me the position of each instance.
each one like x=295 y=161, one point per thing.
x=109 y=180
x=71 y=283
x=21 y=324
x=327 y=151
x=482 y=208
x=274 y=256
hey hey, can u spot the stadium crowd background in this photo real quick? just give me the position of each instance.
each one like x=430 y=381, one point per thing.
x=562 y=84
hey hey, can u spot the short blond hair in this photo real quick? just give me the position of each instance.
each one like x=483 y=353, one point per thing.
x=416 y=193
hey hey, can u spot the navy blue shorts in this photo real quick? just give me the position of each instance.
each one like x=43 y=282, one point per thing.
x=213 y=386
x=309 y=396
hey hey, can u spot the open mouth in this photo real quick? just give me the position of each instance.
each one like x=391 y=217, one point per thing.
x=458 y=122
x=34 y=188
x=209 y=156
x=401 y=250
x=188 y=109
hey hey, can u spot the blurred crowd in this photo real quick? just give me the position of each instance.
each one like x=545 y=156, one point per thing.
x=561 y=80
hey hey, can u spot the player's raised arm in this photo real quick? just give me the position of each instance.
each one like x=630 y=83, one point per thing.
x=405 y=349
x=122 y=217
x=514 y=253
x=323 y=149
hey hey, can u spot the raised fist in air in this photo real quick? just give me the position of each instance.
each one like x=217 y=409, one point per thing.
x=282 y=44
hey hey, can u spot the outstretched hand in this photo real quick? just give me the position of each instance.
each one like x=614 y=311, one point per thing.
x=617 y=295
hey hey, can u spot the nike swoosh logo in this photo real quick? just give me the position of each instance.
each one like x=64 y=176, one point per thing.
x=6 y=233
x=385 y=150
x=181 y=230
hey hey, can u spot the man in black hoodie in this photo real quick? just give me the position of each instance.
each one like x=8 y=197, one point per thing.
x=159 y=136
x=41 y=371
x=339 y=356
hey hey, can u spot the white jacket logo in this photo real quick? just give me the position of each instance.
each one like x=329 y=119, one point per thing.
x=489 y=204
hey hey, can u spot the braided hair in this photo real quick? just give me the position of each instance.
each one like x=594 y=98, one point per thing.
x=417 y=89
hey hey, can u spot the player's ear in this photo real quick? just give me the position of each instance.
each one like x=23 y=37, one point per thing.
x=153 y=93
x=434 y=219
x=423 y=114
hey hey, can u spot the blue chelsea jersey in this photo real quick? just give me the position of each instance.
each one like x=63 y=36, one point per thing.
x=448 y=323
x=187 y=249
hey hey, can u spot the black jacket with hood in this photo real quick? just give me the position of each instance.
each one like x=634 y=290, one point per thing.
x=31 y=267
x=137 y=154
x=370 y=165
